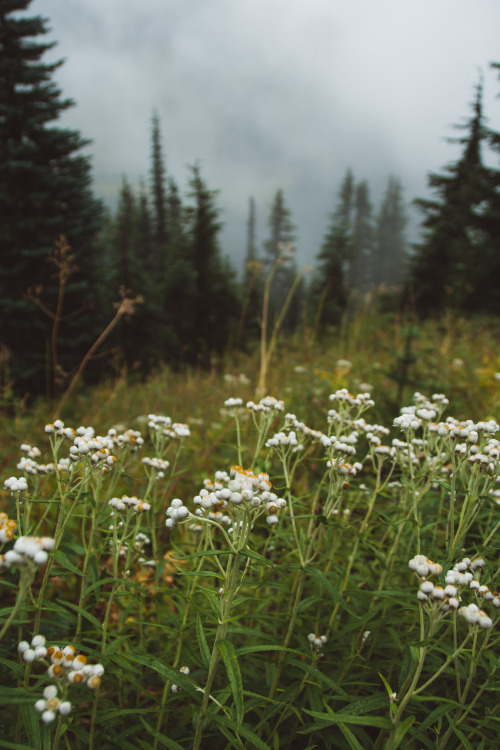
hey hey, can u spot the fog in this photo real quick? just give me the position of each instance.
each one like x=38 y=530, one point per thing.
x=269 y=94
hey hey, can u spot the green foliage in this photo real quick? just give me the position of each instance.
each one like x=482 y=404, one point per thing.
x=44 y=193
x=239 y=608
x=329 y=288
x=458 y=257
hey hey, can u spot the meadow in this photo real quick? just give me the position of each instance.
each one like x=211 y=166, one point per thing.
x=302 y=555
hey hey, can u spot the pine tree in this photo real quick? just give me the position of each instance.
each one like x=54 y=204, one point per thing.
x=454 y=263
x=158 y=173
x=389 y=252
x=329 y=287
x=362 y=240
x=215 y=303
x=279 y=255
x=178 y=283
x=44 y=193
x=252 y=282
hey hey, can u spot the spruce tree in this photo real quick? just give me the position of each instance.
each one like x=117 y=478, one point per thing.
x=215 y=305
x=458 y=255
x=252 y=281
x=280 y=258
x=329 y=287
x=389 y=251
x=44 y=193
x=178 y=283
x=360 y=262
x=158 y=176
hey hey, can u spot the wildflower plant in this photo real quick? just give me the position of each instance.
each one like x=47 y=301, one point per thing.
x=335 y=582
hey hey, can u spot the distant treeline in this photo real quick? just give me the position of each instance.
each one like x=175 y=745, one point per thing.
x=64 y=259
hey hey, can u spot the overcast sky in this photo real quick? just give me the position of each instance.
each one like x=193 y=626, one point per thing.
x=270 y=94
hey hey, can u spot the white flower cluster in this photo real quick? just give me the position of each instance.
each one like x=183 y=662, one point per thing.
x=448 y=597
x=178 y=431
x=291 y=422
x=475 y=616
x=27 y=550
x=282 y=439
x=424 y=567
x=244 y=487
x=342 y=445
x=31 y=450
x=99 y=447
x=64 y=662
x=34 y=651
x=266 y=405
x=233 y=403
x=175 y=513
x=56 y=428
x=344 y=468
x=15 y=484
x=361 y=400
x=221 y=478
x=407 y=422
x=50 y=705
x=129 y=503
x=158 y=422
x=131 y=439
x=30 y=466
x=317 y=641
x=424 y=411
x=159 y=465
x=217 y=498
x=7 y=528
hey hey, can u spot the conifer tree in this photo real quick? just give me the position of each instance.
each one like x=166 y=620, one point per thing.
x=362 y=240
x=329 y=286
x=252 y=281
x=280 y=255
x=454 y=263
x=158 y=173
x=44 y=193
x=215 y=302
x=389 y=252
x=178 y=282
x=127 y=272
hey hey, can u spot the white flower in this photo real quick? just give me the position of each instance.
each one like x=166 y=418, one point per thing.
x=16 y=485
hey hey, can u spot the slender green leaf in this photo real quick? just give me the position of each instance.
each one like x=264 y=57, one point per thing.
x=61 y=558
x=266 y=647
x=166 y=741
x=243 y=730
x=350 y=737
x=230 y=659
x=86 y=615
x=14 y=696
x=401 y=730
x=99 y=584
x=31 y=721
x=202 y=642
x=343 y=718
x=255 y=556
x=461 y=736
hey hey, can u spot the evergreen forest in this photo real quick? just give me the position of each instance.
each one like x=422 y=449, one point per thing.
x=148 y=283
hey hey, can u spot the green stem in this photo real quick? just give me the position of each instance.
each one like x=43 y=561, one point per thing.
x=229 y=592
